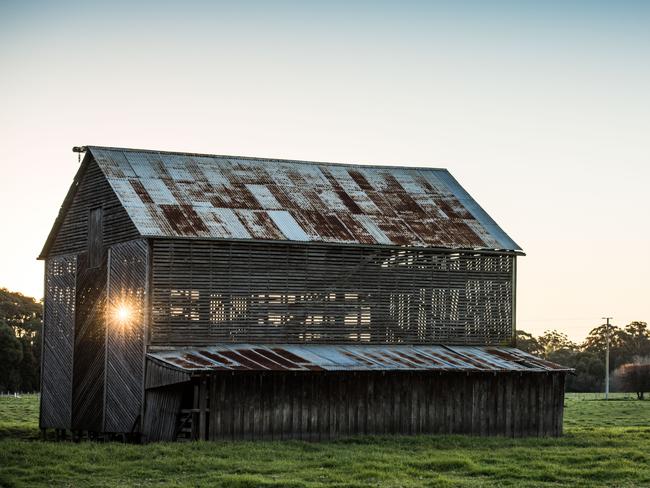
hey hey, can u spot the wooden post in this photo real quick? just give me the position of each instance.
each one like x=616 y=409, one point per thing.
x=195 y=417
x=203 y=404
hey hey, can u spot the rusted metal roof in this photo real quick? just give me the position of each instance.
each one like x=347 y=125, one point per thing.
x=322 y=357
x=229 y=197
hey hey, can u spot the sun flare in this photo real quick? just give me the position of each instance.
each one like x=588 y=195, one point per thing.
x=123 y=313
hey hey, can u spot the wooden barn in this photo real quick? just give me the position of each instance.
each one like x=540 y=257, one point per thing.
x=192 y=296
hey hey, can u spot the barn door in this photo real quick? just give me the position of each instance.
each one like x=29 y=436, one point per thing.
x=125 y=318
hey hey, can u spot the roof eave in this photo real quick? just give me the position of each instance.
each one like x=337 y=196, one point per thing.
x=449 y=250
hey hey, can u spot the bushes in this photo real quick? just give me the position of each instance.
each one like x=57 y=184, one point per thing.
x=634 y=378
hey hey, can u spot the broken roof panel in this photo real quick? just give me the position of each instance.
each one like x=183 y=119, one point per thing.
x=322 y=357
x=225 y=197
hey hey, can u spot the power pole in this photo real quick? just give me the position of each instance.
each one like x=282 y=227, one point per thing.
x=607 y=357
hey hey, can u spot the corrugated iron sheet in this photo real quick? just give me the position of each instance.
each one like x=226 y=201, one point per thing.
x=321 y=357
x=225 y=197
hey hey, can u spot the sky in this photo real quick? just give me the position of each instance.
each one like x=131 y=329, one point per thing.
x=540 y=109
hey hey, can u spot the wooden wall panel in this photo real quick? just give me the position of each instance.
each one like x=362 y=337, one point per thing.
x=128 y=264
x=58 y=342
x=89 y=346
x=93 y=192
x=207 y=292
x=162 y=407
x=321 y=406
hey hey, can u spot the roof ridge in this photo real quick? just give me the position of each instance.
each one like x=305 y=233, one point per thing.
x=263 y=159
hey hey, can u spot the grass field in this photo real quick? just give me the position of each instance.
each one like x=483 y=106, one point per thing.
x=605 y=444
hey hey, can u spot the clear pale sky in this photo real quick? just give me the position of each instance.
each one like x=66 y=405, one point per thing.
x=540 y=109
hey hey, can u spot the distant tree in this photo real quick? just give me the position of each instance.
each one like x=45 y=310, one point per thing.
x=596 y=342
x=635 y=340
x=635 y=378
x=29 y=366
x=526 y=342
x=589 y=370
x=553 y=341
x=11 y=355
x=588 y=359
x=22 y=313
x=22 y=316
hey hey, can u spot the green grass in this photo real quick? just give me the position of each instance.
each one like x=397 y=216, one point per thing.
x=586 y=410
x=19 y=417
x=605 y=444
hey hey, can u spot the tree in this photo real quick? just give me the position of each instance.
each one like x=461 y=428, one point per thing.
x=627 y=346
x=635 y=378
x=635 y=340
x=10 y=356
x=22 y=313
x=589 y=370
x=29 y=366
x=22 y=319
x=526 y=342
x=552 y=341
x=596 y=342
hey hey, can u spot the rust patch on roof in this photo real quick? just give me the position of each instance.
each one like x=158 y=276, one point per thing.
x=287 y=355
x=196 y=359
x=349 y=202
x=259 y=225
x=519 y=356
x=275 y=357
x=360 y=180
x=183 y=219
x=141 y=191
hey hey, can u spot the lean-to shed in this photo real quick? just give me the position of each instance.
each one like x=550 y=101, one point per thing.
x=225 y=297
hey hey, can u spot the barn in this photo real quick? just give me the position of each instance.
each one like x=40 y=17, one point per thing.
x=192 y=296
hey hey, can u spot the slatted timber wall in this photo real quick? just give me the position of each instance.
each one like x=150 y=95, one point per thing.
x=161 y=413
x=89 y=345
x=93 y=192
x=128 y=265
x=206 y=292
x=58 y=342
x=320 y=406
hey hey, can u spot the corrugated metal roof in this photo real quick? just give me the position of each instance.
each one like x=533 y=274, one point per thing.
x=227 y=197
x=322 y=357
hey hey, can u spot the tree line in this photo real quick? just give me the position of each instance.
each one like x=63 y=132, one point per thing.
x=629 y=356
x=21 y=322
